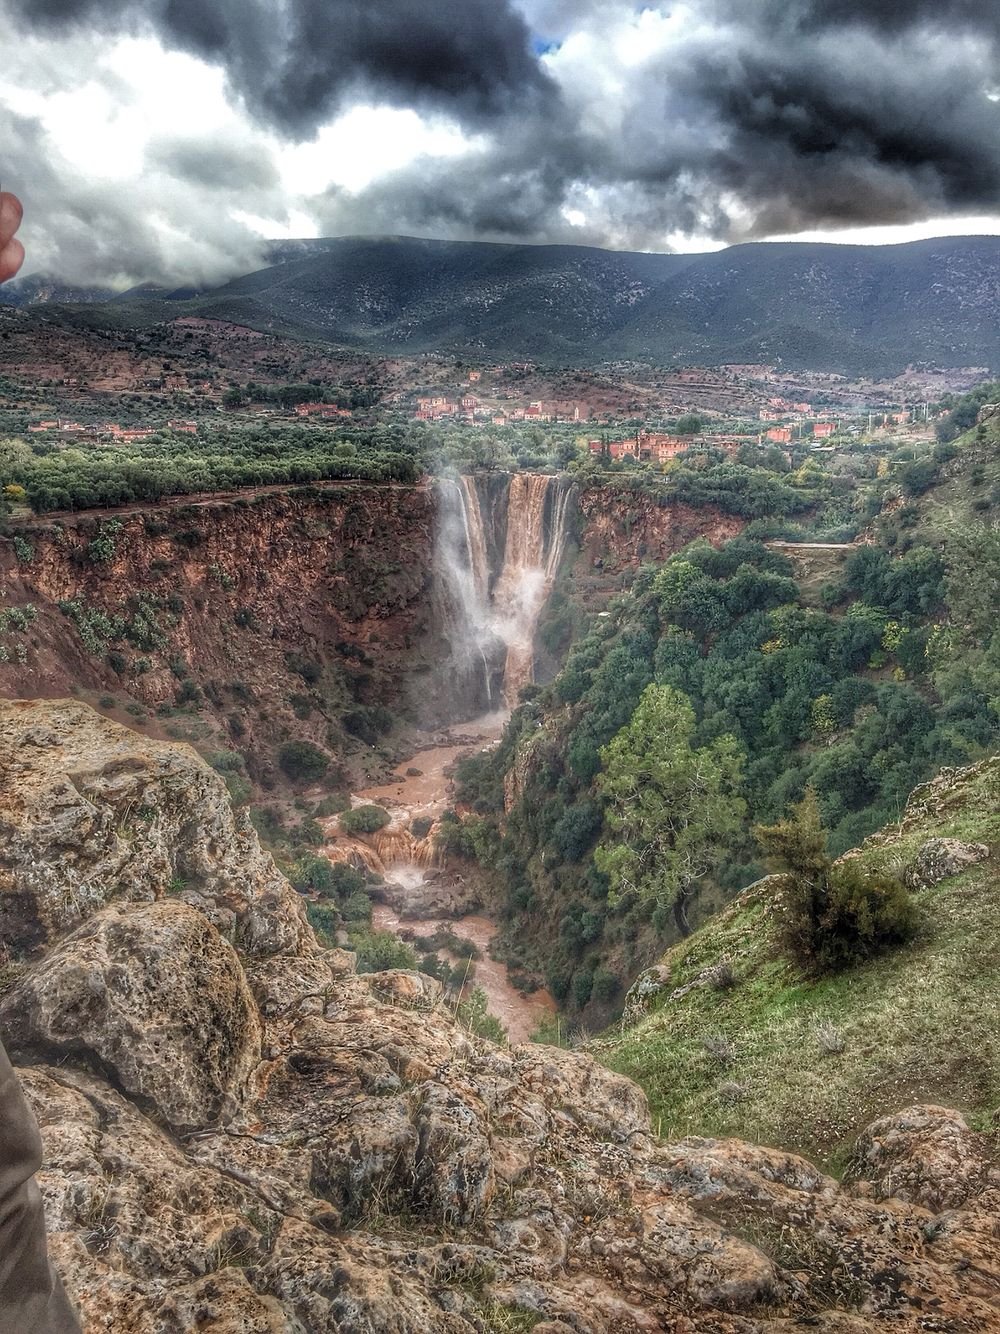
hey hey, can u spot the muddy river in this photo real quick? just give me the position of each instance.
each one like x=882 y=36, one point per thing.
x=420 y=791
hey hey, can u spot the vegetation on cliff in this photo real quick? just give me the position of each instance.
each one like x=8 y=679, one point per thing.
x=784 y=1055
x=861 y=698
x=145 y=471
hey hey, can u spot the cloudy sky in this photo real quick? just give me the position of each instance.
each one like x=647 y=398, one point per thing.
x=162 y=140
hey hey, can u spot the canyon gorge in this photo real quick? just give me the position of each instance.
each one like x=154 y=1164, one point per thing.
x=296 y=614
x=360 y=619
x=246 y=1135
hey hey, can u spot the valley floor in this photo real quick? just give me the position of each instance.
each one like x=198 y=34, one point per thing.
x=420 y=897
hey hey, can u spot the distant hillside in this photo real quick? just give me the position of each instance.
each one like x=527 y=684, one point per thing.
x=856 y=309
x=38 y=289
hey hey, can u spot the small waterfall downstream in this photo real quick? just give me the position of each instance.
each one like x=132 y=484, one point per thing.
x=494 y=604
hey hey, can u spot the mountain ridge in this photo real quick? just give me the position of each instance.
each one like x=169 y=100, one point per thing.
x=826 y=306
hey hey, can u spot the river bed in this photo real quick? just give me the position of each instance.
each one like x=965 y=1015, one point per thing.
x=423 y=794
x=520 y=1015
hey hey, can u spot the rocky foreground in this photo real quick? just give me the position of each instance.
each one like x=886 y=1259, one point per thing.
x=243 y=1136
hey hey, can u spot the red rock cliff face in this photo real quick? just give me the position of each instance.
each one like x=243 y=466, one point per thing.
x=623 y=528
x=285 y=611
x=276 y=616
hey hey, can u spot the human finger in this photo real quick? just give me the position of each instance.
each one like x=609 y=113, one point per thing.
x=11 y=259
x=10 y=216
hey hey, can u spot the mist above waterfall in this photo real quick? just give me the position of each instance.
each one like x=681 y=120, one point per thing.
x=491 y=614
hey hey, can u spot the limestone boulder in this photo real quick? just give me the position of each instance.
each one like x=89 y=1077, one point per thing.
x=927 y=1155
x=455 y=1178
x=441 y=894
x=940 y=858
x=152 y=996
x=606 y=1105
x=90 y=812
x=406 y=986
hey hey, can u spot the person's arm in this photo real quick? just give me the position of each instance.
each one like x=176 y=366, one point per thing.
x=32 y=1300
x=11 y=249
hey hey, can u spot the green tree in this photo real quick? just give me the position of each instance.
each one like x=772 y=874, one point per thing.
x=302 y=761
x=669 y=807
x=833 y=915
x=364 y=820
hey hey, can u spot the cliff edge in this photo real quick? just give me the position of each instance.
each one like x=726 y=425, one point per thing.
x=243 y=1135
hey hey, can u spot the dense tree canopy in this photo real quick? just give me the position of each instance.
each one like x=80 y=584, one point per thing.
x=669 y=808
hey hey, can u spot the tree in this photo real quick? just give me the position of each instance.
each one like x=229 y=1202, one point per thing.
x=302 y=761
x=669 y=808
x=833 y=915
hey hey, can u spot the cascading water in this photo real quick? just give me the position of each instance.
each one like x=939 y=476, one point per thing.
x=498 y=626
x=536 y=537
x=463 y=565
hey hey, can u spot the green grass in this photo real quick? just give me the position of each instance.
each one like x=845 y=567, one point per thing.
x=499 y=1318
x=918 y=1024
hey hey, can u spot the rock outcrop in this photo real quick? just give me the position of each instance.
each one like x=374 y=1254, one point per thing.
x=352 y=1160
x=91 y=812
x=939 y=858
x=624 y=527
x=155 y=997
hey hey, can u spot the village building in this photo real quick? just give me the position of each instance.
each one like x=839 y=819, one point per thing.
x=647 y=446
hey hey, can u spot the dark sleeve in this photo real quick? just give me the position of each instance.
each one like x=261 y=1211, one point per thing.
x=32 y=1300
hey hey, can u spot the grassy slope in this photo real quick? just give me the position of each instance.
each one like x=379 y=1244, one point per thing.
x=917 y=1025
x=968 y=491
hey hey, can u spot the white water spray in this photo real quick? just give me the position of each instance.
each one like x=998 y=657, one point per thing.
x=464 y=566
x=537 y=508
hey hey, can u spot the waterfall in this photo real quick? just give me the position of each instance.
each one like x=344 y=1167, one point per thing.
x=464 y=567
x=530 y=561
x=498 y=624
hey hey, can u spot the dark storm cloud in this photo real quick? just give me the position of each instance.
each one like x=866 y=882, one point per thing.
x=734 y=119
x=888 y=15
x=734 y=130
x=294 y=62
x=845 y=127
x=214 y=165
